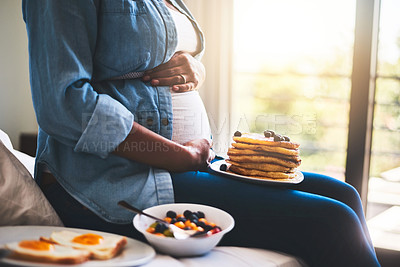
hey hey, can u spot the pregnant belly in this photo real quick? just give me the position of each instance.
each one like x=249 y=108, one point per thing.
x=190 y=120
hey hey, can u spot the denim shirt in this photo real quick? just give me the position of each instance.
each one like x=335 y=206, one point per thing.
x=76 y=47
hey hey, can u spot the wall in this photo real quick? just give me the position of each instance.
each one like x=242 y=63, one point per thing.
x=16 y=110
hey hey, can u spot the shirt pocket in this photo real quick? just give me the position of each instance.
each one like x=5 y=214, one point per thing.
x=134 y=7
x=123 y=39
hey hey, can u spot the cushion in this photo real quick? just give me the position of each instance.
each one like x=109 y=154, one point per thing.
x=26 y=160
x=230 y=256
x=6 y=140
x=22 y=201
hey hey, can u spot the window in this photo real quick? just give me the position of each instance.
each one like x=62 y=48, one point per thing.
x=327 y=73
x=386 y=139
x=384 y=176
x=292 y=74
x=309 y=69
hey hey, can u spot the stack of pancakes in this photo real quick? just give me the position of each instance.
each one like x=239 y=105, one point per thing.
x=260 y=156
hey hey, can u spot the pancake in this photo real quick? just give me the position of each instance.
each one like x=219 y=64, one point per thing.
x=258 y=139
x=262 y=174
x=268 y=156
x=261 y=166
x=274 y=149
x=263 y=159
x=232 y=151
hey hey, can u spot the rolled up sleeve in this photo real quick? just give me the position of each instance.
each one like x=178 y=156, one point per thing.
x=62 y=43
x=107 y=127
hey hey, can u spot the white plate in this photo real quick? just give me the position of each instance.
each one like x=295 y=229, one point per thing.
x=135 y=252
x=215 y=166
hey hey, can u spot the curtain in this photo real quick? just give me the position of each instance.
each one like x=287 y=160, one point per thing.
x=216 y=20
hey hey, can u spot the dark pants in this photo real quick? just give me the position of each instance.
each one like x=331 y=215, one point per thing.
x=320 y=220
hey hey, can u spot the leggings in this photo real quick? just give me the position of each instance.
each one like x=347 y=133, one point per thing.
x=320 y=220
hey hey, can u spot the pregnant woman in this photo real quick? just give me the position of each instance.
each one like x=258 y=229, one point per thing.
x=114 y=90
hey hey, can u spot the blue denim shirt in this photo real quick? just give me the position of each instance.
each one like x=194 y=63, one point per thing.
x=76 y=47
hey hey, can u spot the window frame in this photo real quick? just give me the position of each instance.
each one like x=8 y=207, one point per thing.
x=362 y=97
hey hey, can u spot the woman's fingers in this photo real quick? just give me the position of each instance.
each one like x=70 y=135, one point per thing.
x=175 y=66
x=163 y=73
x=182 y=72
x=170 y=81
x=170 y=77
x=183 y=87
x=176 y=87
x=176 y=83
x=178 y=59
x=201 y=153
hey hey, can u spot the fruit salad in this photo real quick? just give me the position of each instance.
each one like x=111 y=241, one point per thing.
x=189 y=220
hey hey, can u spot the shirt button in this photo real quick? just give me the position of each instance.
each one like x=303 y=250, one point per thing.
x=165 y=121
x=149 y=121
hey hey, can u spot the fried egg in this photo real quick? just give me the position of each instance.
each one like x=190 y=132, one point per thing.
x=85 y=241
x=102 y=246
x=37 y=250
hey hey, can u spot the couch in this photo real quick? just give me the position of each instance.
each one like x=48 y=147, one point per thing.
x=23 y=203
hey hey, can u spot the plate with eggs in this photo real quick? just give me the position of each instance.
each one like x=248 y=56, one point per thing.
x=61 y=246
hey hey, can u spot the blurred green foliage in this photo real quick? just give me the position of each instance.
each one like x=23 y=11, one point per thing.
x=313 y=110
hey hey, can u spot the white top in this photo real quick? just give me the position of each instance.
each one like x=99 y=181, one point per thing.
x=190 y=120
x=188 y=39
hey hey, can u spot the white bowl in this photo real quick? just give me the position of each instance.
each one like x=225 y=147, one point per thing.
x=192 y=246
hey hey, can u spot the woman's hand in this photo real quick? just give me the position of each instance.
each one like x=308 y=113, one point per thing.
x=182 y=73
x=145 y=146
x=201 y=153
